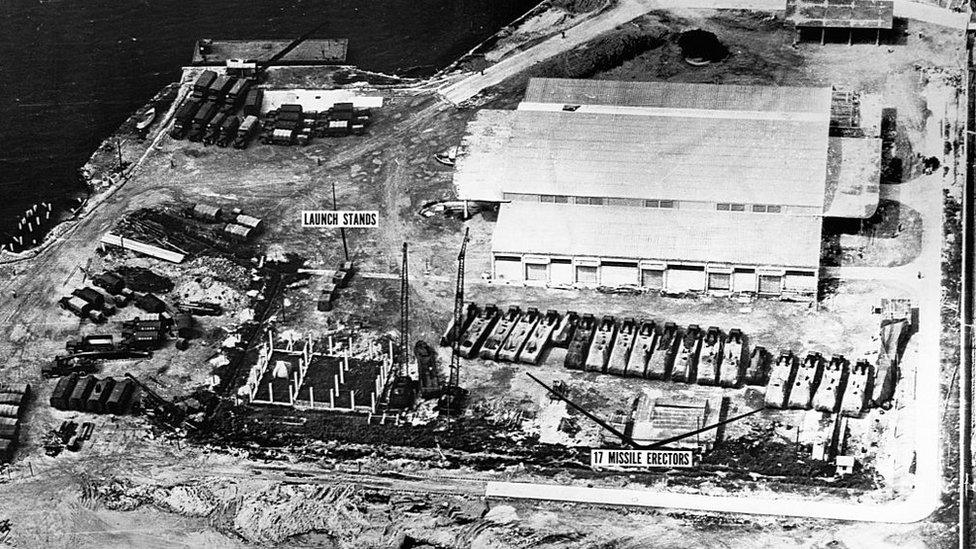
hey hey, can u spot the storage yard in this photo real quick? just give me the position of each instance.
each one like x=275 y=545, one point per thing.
x=198 y=360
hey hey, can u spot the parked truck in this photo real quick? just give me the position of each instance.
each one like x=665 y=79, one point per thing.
x=201 y=119
x=246 y=131
x=253 y=101
x=184 y=117
x=228 y=131
x=81 y=308
x=237 y=93
x=212 y=132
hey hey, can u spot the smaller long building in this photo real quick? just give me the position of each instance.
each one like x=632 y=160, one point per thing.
x=711 y=250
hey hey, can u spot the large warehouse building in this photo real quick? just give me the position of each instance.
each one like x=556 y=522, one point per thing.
x=674 y=187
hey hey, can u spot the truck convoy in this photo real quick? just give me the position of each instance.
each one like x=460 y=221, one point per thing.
x=210 y=113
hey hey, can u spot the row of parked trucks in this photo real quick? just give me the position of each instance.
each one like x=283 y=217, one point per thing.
x=664 y=351
x=210 y=113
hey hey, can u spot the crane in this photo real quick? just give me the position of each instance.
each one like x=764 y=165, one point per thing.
x=403 y=388
x=452 y=399
x=254 y=69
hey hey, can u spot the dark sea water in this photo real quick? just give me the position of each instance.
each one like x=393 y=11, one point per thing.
x=71 y=71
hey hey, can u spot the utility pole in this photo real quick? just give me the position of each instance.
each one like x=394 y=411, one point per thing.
x=118 y=148
x=342 y=230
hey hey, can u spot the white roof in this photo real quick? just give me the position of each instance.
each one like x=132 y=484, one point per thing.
x=700 y=236
x=734 y=157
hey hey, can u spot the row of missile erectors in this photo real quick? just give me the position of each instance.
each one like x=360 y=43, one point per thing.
x=664 y=351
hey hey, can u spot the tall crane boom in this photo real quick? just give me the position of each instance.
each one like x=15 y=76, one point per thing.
x=402 y=393
x=287 y=49
x=455 y=375
x=454 y=396
x=404 y=315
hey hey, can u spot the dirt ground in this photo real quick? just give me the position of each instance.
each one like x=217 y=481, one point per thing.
x=132 y=487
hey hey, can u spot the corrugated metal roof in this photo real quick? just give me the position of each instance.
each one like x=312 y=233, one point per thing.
x=678 y=95
x=864 y=14
x=723 y=159
x=705 y=236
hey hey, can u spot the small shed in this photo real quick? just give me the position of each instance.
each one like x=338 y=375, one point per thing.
x=9 y=428
x=207 y=212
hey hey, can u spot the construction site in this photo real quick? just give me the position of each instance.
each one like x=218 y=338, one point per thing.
x=620 y=276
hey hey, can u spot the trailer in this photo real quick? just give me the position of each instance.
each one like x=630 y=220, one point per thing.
x=563 y=333
x=642 y=349
x=62 y=391
x=477 y=332
x=150 y=303
x=450 y=333
x=713 y=345
x=498 y=335
x=204 y=81
x=620 y=355
x=686 y=360
x=519 y=335
x=110 y=282
x=666 y=341
x=806 y=381
x=596 y=359
x=96 y=299
x=238 y=92
x=780 y=380
x=201 y=308
x=827 y=398
x=757 y=370
x=143 y=340
x=100 y=392
x=539 y=339
x=219 y=87
x=79 y=395
x=730 y=368
x=854 y=401
x=579 y=345
x=253 y=102
x=121 y=396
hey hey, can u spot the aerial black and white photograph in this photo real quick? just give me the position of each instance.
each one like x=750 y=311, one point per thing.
x=487 y=274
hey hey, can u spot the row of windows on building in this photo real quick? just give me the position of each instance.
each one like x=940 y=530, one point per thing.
x=600 y=201
x=654 y=278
